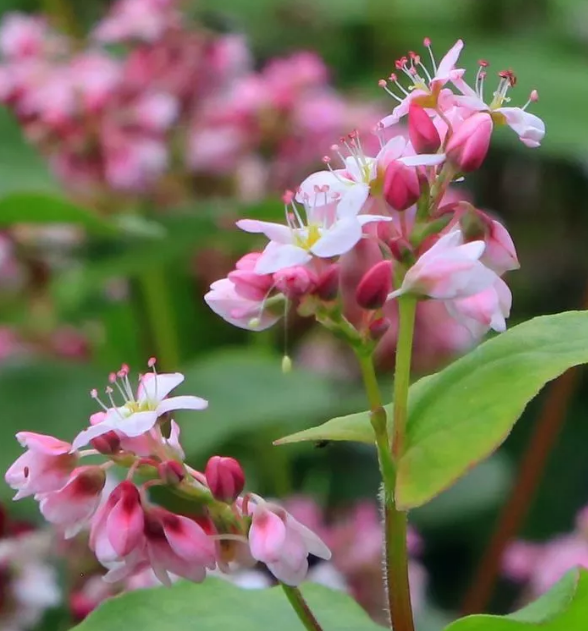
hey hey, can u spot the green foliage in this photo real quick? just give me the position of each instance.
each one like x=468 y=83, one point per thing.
x=248 y=392
x=462 y=414
x=216 y=604
x=563 y=608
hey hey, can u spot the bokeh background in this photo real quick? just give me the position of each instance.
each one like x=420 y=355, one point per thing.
x=75 y=302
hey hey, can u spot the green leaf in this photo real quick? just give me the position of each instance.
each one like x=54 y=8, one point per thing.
x=247 y=391
x=460 y=415
x=563 y=608
x=41 y=208
x=217 y=604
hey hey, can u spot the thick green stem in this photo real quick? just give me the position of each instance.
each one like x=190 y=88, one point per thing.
x=162 y=324
x=407 y=311
x=301 y=608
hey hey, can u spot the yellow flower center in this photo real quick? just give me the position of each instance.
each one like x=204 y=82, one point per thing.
x=307 y=238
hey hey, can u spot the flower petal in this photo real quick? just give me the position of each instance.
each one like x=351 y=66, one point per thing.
x=447 y=64
x=185 y=402
x=138 y=423
x=154 y=388
x=273 y=231
x=85 y=436
x=352 y=202
x=423 y=159
x=277 y=256
x=336 y=181
x=530 y=128
x=339 y=239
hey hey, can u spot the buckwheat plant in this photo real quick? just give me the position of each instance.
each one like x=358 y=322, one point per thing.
x=429 y=248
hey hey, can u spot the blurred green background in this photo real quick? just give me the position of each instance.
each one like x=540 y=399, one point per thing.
x=541 y=195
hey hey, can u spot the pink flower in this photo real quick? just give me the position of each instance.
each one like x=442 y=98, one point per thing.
x=95 y=76
x=527 y=126
x=140 y=413
x=22 y=36
x=449 y=269
x=156 y=111
x=247 y=283
x=328 y=231
x=426 y=86
x=255 y=315
x=145 y=20
x=225 y=478
x=422 y=132
x=44 y=467
x=468 y=145
x=72 y=506
x=485 y=310
x=500 y=254
x=117 y=526
x=282 y=543
x=373 y=289
x=295 y=282
x=134 y=163
x=401 y=185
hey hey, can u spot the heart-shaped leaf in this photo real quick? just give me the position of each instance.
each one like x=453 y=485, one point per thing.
x=460 y=415
x=217 y=604
x=563 y=608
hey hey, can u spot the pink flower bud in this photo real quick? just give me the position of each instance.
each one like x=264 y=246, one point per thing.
x=401 y=185
x=171 y=472
x=225 y=478
x=378 y=328
x=468 y=146
x=422 y=132
x=294 y=282
x=327 y=287
x=247 y=283
x=107 y=444
x=374 y=287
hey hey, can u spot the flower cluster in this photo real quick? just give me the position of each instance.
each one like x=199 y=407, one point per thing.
x=182 y=112
x=538 y=566
x=394 y=209
x=128 y=533
x=28 y=584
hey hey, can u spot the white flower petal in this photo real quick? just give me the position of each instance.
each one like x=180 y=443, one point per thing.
x=339 y=239
x=153 y=388
x=181 y=403
x=353 y=200
x=277 y=256
x=273 y=231
x=138 y=423
x=423 y=159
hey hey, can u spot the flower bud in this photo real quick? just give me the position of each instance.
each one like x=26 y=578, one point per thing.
x=294 y=282
x=171 y=472
x=107 y=444
x=401 y=185
x=468 y=146
x=400 y=248
x=327 y=287
x=225 y=478
x=422 y=132
x=374 y=287
x=247 y=283
x=378 y=328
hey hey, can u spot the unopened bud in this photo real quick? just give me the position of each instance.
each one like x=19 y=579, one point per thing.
x=171 y=472
x=327 y=287
x=107 y=444
x=422 y=131
x=400 y=248
x=225 y=478
x=401 y=185
x=473 y=223
x=294 y=282
x=374 y=287
x=468 y=146
x=378 y=328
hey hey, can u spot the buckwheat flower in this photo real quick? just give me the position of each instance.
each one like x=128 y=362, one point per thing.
x=72 y=506
x=425 y=85
x=253 y=315
x=447 y=270
x=282 y=542
x=529 y=128
x=139 y=413
x=361 y=175
x=327 y=231
x=44 y=467
x=22 y=36
x=485 y=310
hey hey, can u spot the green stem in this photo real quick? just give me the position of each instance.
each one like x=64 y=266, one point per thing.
x=300 y=606
x=407 y=311
x=162 y=324
x=395 y=522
